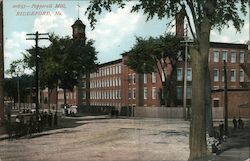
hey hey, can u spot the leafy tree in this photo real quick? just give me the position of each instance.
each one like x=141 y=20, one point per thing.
x=202 y=16
x=158 y=53
x=62 y=63
x=17 y=69
x=10 y=87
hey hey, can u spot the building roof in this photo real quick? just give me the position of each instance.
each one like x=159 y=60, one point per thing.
x=78 y=22
x=228 y=45
x=110 y=63
x=216 y=45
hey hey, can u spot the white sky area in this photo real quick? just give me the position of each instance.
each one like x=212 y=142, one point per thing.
x=114 y=33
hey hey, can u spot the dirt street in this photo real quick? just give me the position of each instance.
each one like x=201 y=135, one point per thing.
x=104 y=139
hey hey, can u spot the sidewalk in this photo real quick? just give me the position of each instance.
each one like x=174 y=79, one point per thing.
x=236 y=147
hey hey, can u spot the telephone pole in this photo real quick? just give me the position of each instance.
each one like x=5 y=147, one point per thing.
x=37 y=38
x=185 y=114
x=225 y=99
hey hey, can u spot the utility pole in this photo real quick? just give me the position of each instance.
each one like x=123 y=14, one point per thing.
x=225 y=99
x=186 y=41
x=1 y=66
x=37 y=65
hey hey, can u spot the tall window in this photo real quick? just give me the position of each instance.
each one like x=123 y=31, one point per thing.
x=119 y=81
x=222 y=75
x=129 y=78
x=216 y=56
x=189 y=74
x=179 y=74
x=216 y=103
x=145 y=78
x=120 y=69
x=108 y=71
x=224 y=55
x=232 y=57
x=153 y=77
x=116 y=69
x=232 y=75
x=134 y=78
x=154 y=93
x=113 y=70
x=179 y=92
x=189 y=92
x=216 y=75
x=134 y=93
x=241 y=75
x=145 y=92
x=242 y=57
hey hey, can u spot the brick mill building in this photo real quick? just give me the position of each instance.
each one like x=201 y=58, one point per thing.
x=114 y=84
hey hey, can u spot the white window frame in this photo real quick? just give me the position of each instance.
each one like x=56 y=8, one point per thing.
x=154 y=93
x=145 y=93
x=189 y=71
x=179 y=77
x=234 y=76
x=145 y=78
x=120 y=69
x=154 y=77
x=134 y=78
x=216 y=59
x=134 y=93
x=234 y=57
x=129 y=94
x=224 y=52
x=241 y=76
x=242 y=56
x=216 y=79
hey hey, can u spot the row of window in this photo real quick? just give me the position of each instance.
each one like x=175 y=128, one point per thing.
x=180 y=74
x=106 y=71
x=232 y=75
x=132 y=93
x=105 y=104
x=180 y=92
x=109 y=82
x=224 y=56
x=132 y=78
x=109 y=94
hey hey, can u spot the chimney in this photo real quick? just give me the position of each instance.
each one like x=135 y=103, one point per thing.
x=179 y=24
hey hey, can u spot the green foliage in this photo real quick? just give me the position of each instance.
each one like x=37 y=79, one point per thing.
x=63 y=61
x=17 y=68
x=146 y=54
x=217 y=12
x=10 y=87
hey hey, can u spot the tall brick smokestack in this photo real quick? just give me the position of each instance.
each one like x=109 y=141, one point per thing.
x=179 y=24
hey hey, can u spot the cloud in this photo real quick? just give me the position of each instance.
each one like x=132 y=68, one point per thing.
x=14 y=45
x=230 y=35
x=60 y=25
x=113 y=29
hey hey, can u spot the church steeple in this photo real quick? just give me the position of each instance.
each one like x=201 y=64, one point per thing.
x=78 y=28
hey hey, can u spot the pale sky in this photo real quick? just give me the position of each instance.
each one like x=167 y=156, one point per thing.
x=114 y=33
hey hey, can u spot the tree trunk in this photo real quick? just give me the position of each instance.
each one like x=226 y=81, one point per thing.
x=172 y=87
x=49 y=95
x=165 y=92
x=1 y=66
x=197 y=138
x=209 y=114
x=64 y=96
